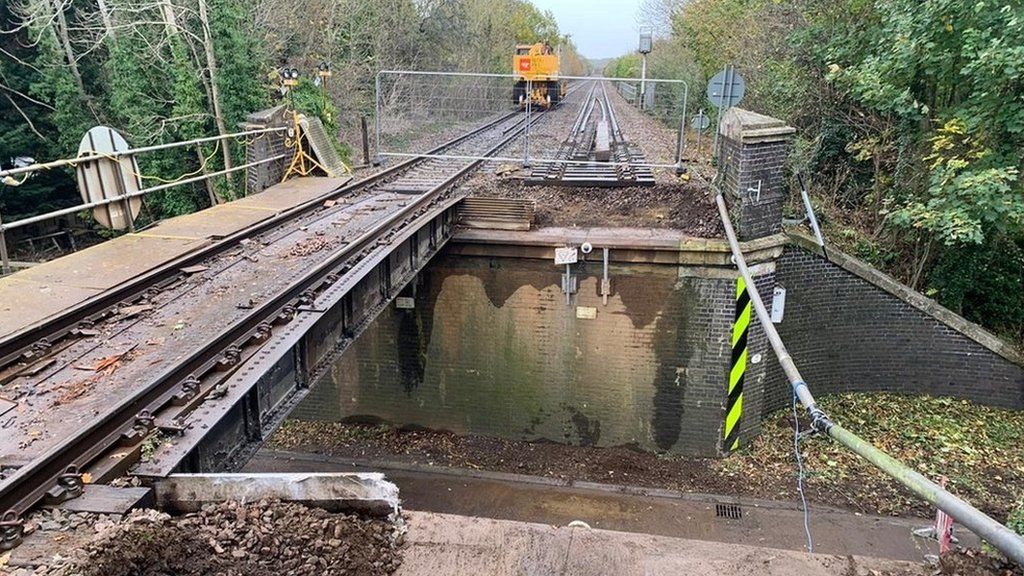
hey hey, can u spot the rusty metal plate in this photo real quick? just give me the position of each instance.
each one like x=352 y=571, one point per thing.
x=108 y=177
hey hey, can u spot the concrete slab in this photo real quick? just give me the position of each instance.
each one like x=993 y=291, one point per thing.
x=110 y=263
x=455 y=545
x=366 y=492
x=24 y=302
x=31 y=295
x=291 y=193
x=215 y=222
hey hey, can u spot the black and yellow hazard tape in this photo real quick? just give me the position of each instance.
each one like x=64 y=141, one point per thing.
x=737 y=368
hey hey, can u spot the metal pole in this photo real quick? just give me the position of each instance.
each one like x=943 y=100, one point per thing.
x=681 y=140
x=366 y=140
x=718 y=120
x=5 y=261
x=1004 y=539
x=643 y=80
x=529 y=107
x=811 y=216
x=376 y=116
x=568 y=285
x=605 y=285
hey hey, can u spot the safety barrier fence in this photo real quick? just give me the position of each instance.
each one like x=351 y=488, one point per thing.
x=415 y=109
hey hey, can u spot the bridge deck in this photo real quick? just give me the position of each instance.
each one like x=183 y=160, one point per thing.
x=36 y=293
x=85 y=378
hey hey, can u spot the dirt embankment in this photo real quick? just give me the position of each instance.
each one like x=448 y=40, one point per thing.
x=266 y=538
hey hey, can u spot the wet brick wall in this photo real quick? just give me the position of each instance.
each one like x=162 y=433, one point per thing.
x=847 y=334
x=492 y=348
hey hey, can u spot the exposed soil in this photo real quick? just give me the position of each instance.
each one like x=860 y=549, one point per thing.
x=260 y=539
x=612 y=465
x=978 y=448
x=686 y=206
x=975 y=563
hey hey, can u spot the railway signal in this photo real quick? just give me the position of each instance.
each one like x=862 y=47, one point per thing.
x=646 y=44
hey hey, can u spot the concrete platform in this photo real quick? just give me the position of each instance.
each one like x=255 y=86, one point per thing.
x=460 y=545
x=34 y=294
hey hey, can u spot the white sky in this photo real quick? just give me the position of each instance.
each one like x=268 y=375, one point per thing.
x=600 y=28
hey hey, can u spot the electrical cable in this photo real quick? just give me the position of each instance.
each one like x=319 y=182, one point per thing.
x=800 y=475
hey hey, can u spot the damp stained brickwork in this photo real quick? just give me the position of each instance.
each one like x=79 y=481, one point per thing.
x=492 y=348
x=848 y=335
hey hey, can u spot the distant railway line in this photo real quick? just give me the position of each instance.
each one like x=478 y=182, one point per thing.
x=595 y=153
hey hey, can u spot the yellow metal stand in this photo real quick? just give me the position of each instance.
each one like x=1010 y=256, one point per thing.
x=303 y=163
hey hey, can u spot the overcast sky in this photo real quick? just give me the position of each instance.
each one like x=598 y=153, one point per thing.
x=600 y=28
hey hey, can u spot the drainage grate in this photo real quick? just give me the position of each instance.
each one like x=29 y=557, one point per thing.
x=730 y=511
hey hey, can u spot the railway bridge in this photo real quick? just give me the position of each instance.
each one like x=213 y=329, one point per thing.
x=183 y=346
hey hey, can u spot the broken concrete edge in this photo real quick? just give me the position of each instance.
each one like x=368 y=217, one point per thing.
x=362 y=492
x=881 y=280
x=749 y=127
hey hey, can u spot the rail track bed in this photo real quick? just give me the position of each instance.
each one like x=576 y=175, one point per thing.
x=93 y=384
x=595 y=153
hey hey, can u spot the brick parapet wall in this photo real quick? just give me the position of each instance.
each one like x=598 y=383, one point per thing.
x=851 y=328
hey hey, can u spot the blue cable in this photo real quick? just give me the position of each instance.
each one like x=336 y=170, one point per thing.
x=800 y=475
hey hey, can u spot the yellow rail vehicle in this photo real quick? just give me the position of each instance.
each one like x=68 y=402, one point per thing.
x=538 y=65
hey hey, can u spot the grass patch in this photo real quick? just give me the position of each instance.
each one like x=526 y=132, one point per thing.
x=978 y=448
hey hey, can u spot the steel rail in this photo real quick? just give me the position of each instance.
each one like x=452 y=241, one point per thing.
x=29 y=484
x=999 y=536
x=45 y=332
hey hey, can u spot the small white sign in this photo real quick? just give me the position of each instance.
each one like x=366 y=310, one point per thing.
x=586 y=312
x=778 y=304
x=566 y=255
x=405 y=303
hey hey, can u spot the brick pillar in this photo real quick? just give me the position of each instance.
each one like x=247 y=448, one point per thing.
x=754 y=150
x=259 y=178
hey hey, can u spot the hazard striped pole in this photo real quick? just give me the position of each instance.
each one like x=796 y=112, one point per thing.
x=999 y=536
x=737 y=368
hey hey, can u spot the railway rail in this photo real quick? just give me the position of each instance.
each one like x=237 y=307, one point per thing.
x=164 y=400
x=595 y=153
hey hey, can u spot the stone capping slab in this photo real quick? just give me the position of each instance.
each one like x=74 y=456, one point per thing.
x=690 y=250
x=749 y=127
x=923 y=303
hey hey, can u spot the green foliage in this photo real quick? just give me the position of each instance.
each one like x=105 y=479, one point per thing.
x=983 y=282
x=910 y=122
x=1015 y=521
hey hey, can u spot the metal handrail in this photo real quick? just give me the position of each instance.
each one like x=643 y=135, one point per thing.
x=88 y=157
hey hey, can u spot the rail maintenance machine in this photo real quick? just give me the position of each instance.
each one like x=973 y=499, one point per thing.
x=538 y=64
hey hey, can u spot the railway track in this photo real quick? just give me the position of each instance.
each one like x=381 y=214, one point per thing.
x=595 y=153
x=163 y=399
